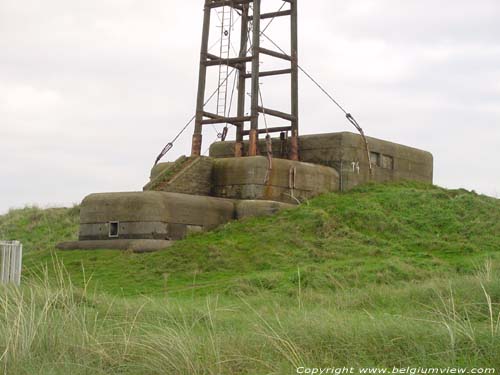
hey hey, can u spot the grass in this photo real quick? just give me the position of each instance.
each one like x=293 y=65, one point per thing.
x=390 y=275
x=380 y=234
x=164 y=177
x=40 y=229
x=51 y=327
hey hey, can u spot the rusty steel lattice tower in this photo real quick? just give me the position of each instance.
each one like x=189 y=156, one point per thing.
x=245 y=7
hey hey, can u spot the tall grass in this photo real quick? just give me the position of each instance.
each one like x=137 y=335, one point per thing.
x=51 y=326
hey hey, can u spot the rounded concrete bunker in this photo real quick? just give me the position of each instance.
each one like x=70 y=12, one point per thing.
x=150 y=215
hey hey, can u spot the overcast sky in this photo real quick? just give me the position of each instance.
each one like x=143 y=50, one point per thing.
x=90 y=91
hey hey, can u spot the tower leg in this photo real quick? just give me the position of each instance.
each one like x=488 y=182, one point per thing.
x=253 y=143
x=200 y=101
x=253 y=146
x=238 y=146
x=294 y=147
x=196 y=145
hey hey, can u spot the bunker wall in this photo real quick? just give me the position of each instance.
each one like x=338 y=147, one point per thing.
x=150 y=215
x=284 y=181
x=346 y=152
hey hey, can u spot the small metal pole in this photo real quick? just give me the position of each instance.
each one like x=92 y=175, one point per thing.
x=253 y=142
x=198 y=127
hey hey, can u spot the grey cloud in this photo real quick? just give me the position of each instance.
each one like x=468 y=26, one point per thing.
x=91 y=91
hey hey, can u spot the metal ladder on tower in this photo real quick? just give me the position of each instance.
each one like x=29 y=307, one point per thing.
x=226 y=18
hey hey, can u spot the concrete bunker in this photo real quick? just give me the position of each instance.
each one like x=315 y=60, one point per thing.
x=150 y=215
x=346 y=153
x=195 y=194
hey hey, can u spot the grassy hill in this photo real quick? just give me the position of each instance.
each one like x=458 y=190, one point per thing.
x=386 y=275
x=375 y=234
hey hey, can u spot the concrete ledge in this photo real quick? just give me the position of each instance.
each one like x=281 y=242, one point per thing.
x=137 y=246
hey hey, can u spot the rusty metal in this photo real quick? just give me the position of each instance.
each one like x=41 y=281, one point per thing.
x=223 y=120
x=294 y=154
x=202 y=82
x=255 y=80
x=240 y=64
x=270 y=130
x=196 y=147
x=238 y=149
x=252 y=144
x=274 y=113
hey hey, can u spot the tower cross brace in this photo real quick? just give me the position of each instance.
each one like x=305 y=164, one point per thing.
x=240 y=63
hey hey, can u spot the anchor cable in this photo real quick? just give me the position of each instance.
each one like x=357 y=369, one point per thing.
x=170 y=145
x=348 y=116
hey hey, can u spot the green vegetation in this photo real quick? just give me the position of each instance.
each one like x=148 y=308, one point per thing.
x=40 y=229
x=164 y=177
x=379 y=234
x=387 y=275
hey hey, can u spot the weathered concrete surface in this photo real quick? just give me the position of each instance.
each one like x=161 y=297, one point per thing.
x=151 y=215
x=346 y=153
x=288 y=181
x=390 y=162
x=162 y=176
x=253 y=208
x=186 y=175
x=158 y=169
x=137 y=246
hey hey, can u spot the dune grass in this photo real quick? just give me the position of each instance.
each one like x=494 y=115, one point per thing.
x=390 y=275
x=50 y=326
